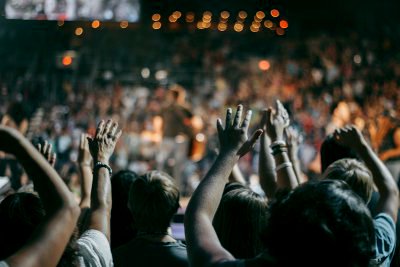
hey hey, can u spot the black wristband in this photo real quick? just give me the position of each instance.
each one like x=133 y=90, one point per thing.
x=99 y=165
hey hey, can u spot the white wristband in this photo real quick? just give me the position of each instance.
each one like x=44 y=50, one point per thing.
x=283 y=165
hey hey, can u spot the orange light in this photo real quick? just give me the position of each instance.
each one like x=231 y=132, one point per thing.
x=78 y=31
x=156 y=17
x=222 y=27
x=225 y=14
x=200 y=25
x=67 y=60
x=95 y=24
x=238 y=27
x=284 y=24
x=207 y=15
x=242 y=14
x=260 y=15
x=280 y=31
x=172 y=19
x=156 y=25
x=264 y=65
x=256 y=24
x=190 y=17
x=275 y=13
x=177 y=14
x=124 y=24
x=254 y=29
x=268 y=24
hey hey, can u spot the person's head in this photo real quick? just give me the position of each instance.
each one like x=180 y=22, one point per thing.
x=20 y=216
x=176 y=94
x=331 y=151
x=153 y=201
x=320 y=223
x=16 y=117
x=355 y=174
x=239 y=221
x=341 y=111
x=122 y=229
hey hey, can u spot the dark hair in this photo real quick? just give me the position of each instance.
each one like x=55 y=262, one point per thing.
x=18 y=112
x=153 y=201
x=355 y=174
x=20 y=215
x=239 y=221
x=331 y=151
x=320 y=224
x=122 y=230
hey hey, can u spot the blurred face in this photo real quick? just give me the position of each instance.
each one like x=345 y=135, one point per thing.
x=343 y=112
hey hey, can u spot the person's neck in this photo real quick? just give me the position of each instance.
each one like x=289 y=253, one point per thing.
x=156 y=236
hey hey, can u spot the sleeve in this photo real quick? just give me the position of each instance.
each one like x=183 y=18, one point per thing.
x=3 y=264
x=385 y=235
x=94 y=249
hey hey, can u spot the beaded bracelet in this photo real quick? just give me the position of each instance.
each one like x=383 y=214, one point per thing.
x=99 y=165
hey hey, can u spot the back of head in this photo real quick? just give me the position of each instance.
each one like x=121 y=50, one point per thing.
x=239 y=221
x=331 y=151
x=355 y=174
x=320 y=224
x=153 y=201
x=122 y=229
x=20 y=214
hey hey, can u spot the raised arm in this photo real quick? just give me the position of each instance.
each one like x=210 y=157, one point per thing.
x=85 y=169
x=47 y=244
x=266 y=162
x=101 y=147
x=389 y=194
x=277 y=121
x=203 y=245
x=294 y=139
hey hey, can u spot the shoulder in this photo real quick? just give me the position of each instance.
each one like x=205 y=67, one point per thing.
x=94 y=249
x=385 y=234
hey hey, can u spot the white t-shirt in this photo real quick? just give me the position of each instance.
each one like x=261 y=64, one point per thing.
x=94 y=250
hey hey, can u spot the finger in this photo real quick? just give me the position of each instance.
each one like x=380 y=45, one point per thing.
x=82 y=141
x=113 y=129
x=279 y=108
x=45 y=145
x=118 y=135
x=39 y=147
x=270 y=117
x=238 y=116
x=99 y=129
x=107 y=128
x=228 y=120
x=85 y=142
x=247 y=119
x=52 y=160
x=220 y=128
x=253 y=139
x=49 y=152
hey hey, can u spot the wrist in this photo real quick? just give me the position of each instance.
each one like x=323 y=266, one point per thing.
x=102 y=159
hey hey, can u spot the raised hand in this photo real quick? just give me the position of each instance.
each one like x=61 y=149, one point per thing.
x=234 y=137
x=293 y=139
x=349 y=136
x=84 y=157
x=276 y=122
x=103 y=144
x=46 y=149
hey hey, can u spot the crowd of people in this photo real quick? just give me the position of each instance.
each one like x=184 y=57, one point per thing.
x=315 y=184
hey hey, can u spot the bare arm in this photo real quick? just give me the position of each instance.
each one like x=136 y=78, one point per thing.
x=389 y=194
x=85 y=169
x=47 y=244
x=266 y=163
x=237 y=175
x=394 y=152
x=203 y=245
x=294 y=139
x=277 y=121
x=101 y=147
